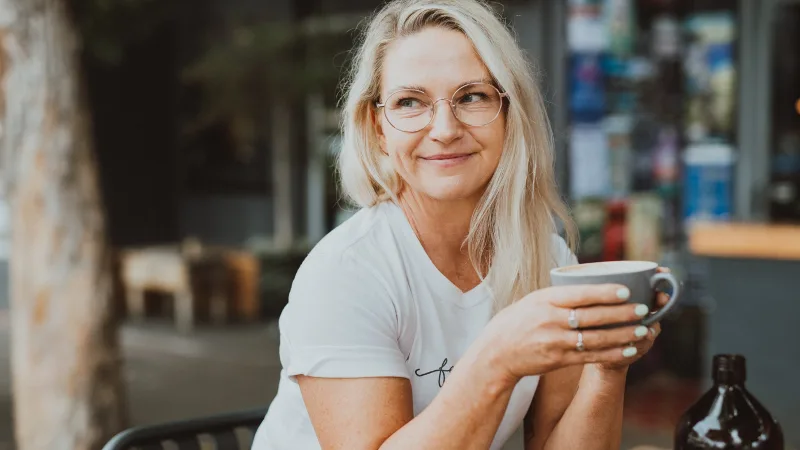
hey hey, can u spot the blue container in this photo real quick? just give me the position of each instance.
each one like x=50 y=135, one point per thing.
x=587 y=92
x=708 y=182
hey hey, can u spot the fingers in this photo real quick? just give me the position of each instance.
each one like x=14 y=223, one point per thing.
x=643 y=346
x=619 y=346
x=620 y=355
x=599 y=316
x=585 y=295
x=662 y=298
x=623 y=354
x=617 y=355
x=604 y=339
x=615 y=347
x=654 y=331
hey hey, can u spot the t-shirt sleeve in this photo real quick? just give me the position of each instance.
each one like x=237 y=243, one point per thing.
x=340 y=322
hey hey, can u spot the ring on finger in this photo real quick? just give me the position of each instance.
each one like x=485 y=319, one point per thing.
x=572 y=320
x=579 y=345
x=653 y=332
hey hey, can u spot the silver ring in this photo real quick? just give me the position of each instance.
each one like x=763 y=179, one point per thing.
x=572 y=320
x=579 y=345
x=653 y=332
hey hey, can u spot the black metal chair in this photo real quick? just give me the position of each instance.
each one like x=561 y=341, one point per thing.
x=231 y=431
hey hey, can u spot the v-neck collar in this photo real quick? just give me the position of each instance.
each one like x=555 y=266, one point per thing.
x=399 y=222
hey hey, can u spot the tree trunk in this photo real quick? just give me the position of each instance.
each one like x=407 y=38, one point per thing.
x=66 y=378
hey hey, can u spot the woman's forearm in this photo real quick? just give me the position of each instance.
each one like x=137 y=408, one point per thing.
x=465 y=414
x=593 y=421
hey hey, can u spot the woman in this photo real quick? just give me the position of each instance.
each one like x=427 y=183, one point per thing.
x=426 y=321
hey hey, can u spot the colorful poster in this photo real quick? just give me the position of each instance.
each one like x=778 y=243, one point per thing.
x=586 y=29
x=587 y=94
x=589 y=162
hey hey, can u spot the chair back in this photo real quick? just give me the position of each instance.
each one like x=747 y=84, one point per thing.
x=232 y=431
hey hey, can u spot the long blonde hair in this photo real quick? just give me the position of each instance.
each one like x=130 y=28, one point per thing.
x=515 y=220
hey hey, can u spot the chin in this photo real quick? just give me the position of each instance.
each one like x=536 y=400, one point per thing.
x=453 y=190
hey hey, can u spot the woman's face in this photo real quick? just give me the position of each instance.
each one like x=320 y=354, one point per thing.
x=447 y=160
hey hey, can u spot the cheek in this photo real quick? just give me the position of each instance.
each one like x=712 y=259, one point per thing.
x=493 y=139
x=400 y=146
x=499 y=131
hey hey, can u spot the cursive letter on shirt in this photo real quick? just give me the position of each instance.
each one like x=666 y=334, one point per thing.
x=441 y=371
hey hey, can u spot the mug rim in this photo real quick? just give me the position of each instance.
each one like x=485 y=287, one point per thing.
x=564 y=270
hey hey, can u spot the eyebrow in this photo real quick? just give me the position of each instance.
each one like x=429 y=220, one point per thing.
x=420 y=88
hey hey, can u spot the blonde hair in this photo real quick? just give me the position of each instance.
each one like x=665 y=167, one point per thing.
x=515 y=221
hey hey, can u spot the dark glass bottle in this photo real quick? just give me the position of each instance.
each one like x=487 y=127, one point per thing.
x=727 y=417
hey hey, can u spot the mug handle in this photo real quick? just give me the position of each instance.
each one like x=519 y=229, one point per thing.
x=673 y=299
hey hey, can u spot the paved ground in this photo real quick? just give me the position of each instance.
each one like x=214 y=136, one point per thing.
x=173 y=377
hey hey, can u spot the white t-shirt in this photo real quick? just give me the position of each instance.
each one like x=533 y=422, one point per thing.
x=368 y=302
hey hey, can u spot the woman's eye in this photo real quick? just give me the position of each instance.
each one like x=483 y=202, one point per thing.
x=473 y=97
x=408 y=103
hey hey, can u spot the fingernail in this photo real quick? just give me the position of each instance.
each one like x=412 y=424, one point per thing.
x=640 y=331
x=641 y=310
x=623 y=293
x=629 y=351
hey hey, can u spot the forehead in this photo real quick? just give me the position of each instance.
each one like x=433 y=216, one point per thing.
x=435 y=59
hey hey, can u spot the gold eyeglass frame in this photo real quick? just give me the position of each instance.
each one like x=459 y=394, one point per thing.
x=433 y=103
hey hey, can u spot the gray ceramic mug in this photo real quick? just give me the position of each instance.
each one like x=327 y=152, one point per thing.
x=641 y=277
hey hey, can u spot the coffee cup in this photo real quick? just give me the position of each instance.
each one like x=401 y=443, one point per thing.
x=640 y=277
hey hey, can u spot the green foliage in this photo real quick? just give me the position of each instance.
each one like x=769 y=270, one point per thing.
x=108 y=26
x=253 y=67
x=243 y=70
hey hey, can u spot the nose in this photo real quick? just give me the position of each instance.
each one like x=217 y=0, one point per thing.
x=445 y=127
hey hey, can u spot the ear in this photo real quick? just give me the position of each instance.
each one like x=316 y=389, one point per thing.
x=375 y=116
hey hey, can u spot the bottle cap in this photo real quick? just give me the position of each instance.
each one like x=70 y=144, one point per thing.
x=729 y=369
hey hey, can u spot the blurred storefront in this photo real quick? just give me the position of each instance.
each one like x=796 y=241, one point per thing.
x=672 y=112
x=666 y=112
x=673 y=116
x=650 y=100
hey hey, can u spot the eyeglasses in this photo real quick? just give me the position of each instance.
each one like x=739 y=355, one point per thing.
x=474 y=105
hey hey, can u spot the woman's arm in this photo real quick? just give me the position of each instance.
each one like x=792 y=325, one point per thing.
x=554 y=394
x=576 y=408
x=377 y=413
x=582 y=406
x=528 y=338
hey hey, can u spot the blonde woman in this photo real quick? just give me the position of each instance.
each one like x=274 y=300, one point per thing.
x=426 y=321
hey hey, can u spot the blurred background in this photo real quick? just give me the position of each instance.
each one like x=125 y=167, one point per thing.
x=677 y=125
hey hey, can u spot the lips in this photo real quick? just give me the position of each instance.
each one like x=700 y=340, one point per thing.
x=447 y=161
x=445 y=157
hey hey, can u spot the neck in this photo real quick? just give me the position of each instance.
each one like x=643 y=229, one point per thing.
x=442 y=226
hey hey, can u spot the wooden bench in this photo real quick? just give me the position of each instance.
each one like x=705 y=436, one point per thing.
x=227 y=278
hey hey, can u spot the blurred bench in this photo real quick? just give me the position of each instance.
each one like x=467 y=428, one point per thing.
x=226 y=278
x=232 y=431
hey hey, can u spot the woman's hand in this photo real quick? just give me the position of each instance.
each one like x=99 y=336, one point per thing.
x=534 y=336
x=643 y=346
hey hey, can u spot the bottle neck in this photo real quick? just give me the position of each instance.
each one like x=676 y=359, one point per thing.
x=729 y=370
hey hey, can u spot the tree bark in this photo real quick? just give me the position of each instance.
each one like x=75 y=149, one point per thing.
x=66 y=377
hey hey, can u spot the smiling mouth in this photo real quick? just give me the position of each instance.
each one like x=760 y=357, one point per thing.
x=447 y=157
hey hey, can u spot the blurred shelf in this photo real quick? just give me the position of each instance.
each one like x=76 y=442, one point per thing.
x=743 y=240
